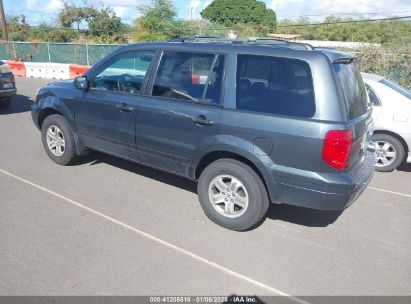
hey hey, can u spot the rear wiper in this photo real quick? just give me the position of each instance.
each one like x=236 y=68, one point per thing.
x=344 y=60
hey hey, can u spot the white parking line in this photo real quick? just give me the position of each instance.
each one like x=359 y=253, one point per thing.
x=391 y=192
x=162 y=242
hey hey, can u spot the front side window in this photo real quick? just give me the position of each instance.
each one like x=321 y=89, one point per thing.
x=126 y=74
x=274 y=85
x=190 y=76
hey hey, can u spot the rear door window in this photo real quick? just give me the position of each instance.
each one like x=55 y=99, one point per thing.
x=353 y=88
x=275 y=85
x=190 y=76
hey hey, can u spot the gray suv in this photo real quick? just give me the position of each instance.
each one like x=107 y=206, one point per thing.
x=253 y=121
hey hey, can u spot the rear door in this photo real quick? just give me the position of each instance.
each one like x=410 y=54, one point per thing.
x=181 y=117
x=358 y=111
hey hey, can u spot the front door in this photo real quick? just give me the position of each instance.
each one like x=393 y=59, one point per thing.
x=181 y=117
x=106 y=113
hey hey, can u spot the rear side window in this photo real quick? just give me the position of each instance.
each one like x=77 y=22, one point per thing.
x=353 y=88
x=275 y=85
x=190 y=76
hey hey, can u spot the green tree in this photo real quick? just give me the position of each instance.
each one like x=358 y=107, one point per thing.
x=18 y=28
x=106 y=22
x=232 y=12
x=71 y=14
x=46 y=32
x=103 y=24
x=156 y=22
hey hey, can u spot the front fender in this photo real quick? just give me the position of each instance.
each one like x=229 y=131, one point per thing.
x=48 y=104
x=53 y=102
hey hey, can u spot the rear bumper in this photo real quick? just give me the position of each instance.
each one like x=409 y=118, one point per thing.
x=8 y=93
x=327 y=191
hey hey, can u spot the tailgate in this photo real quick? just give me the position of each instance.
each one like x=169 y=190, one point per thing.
x=362 y=128
x=358 y=113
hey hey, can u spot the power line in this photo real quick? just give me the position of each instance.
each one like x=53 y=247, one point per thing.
x=220 y=28
x=347 y=14
x=314 y=15
x=278 y=16
x=345 y=21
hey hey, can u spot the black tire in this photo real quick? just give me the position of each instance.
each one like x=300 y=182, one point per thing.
x=399 y=149
x=5 y=103
x=258 y=199
x=69 y=155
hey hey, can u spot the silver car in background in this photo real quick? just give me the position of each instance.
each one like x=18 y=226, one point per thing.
x=392 y=121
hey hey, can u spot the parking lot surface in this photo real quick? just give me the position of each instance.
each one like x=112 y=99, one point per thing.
x=105 y=226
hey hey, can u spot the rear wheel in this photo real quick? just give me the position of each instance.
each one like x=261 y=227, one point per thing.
x=58 y=140
x=232 y=194
x=390 y=152
x=5 y=103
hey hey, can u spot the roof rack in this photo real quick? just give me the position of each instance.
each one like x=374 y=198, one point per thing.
x=252 y=41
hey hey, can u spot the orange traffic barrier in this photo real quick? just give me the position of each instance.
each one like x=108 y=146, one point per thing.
x=77 y=70
x=18 y=68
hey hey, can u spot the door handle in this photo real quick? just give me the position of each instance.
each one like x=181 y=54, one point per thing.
x=124 y=107
x=202 y=120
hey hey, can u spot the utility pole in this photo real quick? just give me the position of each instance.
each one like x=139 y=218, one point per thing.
x=3 y=22
x=191 y=11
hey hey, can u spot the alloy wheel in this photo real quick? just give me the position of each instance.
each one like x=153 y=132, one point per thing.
x=55 y=140
x=228 y=195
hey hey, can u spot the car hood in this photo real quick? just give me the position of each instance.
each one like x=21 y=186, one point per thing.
x=62 y=83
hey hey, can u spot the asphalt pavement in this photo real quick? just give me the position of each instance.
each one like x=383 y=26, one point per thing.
x=105 y=226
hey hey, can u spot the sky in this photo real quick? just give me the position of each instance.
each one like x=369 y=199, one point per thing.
x=38 y=11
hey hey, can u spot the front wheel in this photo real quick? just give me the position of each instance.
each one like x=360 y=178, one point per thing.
x=232 y=194
x=390 y=152
x=58 y=140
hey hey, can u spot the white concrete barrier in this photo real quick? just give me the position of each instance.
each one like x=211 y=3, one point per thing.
x=47 y=70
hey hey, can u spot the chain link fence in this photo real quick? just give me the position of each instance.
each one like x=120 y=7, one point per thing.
x=85 y=54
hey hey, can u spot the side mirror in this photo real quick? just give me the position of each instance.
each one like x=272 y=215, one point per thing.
x=81 y=83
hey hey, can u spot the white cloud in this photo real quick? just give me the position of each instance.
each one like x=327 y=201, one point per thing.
x=207 y=3
x=31 y=4
x=53 y=6
x=127 y=3
x=120 y=10
x=193 y=6
x=292 y=9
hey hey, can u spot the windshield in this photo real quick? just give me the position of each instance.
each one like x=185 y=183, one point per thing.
x=396 y=87
x=353 y=89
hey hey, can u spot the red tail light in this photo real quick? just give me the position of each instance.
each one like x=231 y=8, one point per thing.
x=337 y=147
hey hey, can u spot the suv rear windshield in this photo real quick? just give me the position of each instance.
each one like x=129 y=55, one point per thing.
x=352 y=85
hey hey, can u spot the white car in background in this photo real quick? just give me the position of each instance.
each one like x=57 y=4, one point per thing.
x=392 y=121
